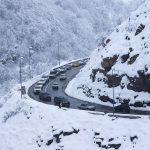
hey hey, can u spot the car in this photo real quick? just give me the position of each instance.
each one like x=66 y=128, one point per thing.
x=63 y=67
x=54 y=71
x=46 y=77
x=61 y=102
x=123 y=108
x=63 y=77
x=76 y=64
x=87 y=106
x=82 y=62
x=62 y=70
x=68 y=66
x=52 y=76
x=37 y=89
x=38 y=86
x=41 y=82
x=86 y=59
x=45 y=96
x=59 y=71
x=55 y=86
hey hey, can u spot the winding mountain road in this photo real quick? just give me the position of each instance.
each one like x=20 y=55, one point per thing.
x=74 y=103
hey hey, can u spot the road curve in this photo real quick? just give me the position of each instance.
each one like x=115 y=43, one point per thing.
x=74 y=102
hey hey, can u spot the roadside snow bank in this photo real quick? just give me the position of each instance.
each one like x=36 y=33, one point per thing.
x=27 y=124
x=122 y=62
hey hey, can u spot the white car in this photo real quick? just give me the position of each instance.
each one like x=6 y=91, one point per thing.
x=63 y=77
x=87 y=106
x=82 y=62
x=45 y=77
x=53 y=74
x=64 y=68
x=41 y=82
x=68 y=66
x=61 y=70
x=86 y=59
x=37 y=89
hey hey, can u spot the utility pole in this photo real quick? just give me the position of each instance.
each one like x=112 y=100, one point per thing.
x=113 y=91
x=30 y=48
x=20 y=71
x=58 y=52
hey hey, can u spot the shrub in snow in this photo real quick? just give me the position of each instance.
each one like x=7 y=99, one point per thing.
x=140 y=29
x=10 y=114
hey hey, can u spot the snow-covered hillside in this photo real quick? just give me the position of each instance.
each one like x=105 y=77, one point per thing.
x=122 y=62
x=79 y=25
x=28 y=124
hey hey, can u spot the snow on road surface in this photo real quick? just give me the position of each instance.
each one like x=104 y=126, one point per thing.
x=27 y=124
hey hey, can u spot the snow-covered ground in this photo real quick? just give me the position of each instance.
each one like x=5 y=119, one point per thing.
x=27 y=124
x=78 y=25
x=127 y=54
x=130 y=53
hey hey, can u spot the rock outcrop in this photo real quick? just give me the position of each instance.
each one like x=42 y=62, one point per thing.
x=122 y=65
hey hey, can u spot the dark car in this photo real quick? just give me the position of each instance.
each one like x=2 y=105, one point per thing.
x=61 y=102
x=123 y=108
x=52 y=76
x=55 y=86
x=138 y=104
x=45 y=96
x=87 y=107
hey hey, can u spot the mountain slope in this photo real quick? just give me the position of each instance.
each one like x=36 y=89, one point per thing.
x=28 y=124
x=42 y=23
x=122 y=62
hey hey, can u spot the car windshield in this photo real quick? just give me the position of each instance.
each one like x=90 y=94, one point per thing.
x=53 y=72
x=36 y=88
x=45 y=76
x=83 y=104
x=42 y=80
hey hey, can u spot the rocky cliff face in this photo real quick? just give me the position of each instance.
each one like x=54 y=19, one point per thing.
x=122 y=62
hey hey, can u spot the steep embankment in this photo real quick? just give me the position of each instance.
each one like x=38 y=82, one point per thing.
x=122 y=62
x=28 y=124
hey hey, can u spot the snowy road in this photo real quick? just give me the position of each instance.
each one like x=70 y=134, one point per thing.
x=74 y=103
